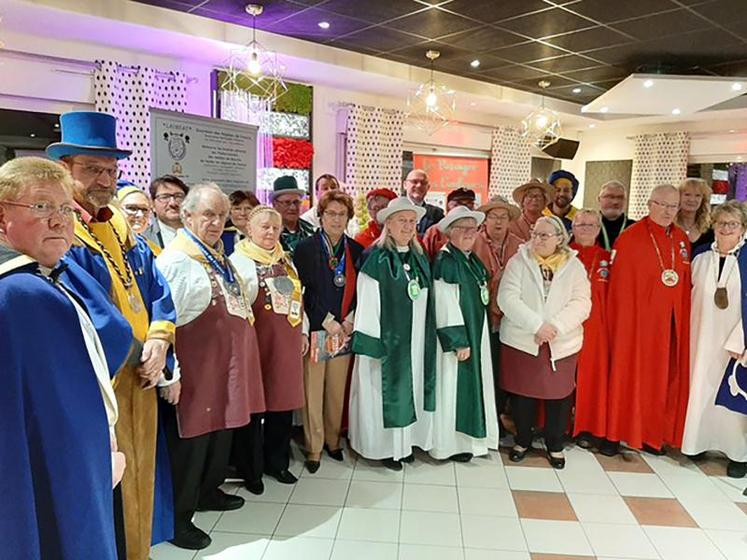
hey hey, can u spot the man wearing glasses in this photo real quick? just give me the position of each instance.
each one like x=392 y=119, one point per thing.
x=612 y=197
x=167 y=193
x=286 y=198
x=124 y=265
x=648 y=309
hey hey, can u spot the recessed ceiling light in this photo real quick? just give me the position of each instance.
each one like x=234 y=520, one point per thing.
x=592 y=126
x=736 y=86
x=604 y=109
x=57 y=125
x=676 y=111
x=576 y=90
x=475 y=63
x=323 y=24
x=472 y=104
x=732 y=131
x=648 y=83
x=32 y=135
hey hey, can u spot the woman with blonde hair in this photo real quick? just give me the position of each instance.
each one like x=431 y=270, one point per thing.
x=392 y=394
x=694 y=215
x=545 y=298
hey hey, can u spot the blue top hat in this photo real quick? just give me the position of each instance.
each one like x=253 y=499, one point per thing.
x=87 y=133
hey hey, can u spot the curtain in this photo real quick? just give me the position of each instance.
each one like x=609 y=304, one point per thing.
x=657 y=159
x=129 y=93
x=510 y=161
x=373 y=151
x=241 y=106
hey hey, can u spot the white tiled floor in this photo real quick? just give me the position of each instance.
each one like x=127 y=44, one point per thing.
x=358 y=510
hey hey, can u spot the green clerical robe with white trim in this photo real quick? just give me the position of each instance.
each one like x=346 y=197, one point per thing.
x=465 y=420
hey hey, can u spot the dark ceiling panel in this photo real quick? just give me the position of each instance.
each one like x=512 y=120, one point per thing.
x=582 y=41
x=606 y=11
x=546 y=23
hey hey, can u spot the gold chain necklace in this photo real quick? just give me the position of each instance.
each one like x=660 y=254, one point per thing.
x=669 y=276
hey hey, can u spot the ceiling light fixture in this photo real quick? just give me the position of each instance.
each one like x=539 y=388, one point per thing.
x=676 y=111
x=33 y=135
x=431 y=106
x=475 y=63
x=604 y=109
x=253 y=68
x=736 y=86
x=323 y=24
x=576 y=90
x=592 y=126
x=648 y=83
x=541 y=127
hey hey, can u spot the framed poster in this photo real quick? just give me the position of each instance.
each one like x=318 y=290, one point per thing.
x=446 y=173
x=198 y=149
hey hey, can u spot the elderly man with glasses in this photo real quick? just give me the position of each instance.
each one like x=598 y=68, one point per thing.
x=649 y=316
x=287 y=198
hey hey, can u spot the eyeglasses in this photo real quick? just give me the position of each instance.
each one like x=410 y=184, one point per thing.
x=666 y=206
x=91 y=170
x=44 y=210
x=585 y=226
x=497 y=217
x=335 y=215
x=727 y=225
x=534 y=196
x=466 y=229
x=136 y=210
x=165 y=197
x=543 y=236
x=288 y=202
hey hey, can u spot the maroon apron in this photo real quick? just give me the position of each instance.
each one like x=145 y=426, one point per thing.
x=221 y=371
x=280 y=348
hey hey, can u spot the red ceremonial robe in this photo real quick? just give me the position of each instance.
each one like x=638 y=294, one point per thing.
x=593 y=360
x=370 y=234
x=650 y=334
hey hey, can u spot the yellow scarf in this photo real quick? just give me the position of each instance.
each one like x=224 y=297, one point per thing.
x=268 y=258
x=553 y=262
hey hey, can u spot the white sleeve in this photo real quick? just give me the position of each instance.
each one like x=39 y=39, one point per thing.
x=188 y=282
x=735 y=342
x=176 y=375
x=578 y=306
x=368 y=317
x=510 y=301
x=247 y=270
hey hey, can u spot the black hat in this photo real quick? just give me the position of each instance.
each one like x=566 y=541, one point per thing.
x=461 y=194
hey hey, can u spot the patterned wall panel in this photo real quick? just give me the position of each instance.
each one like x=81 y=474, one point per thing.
x=599 y=172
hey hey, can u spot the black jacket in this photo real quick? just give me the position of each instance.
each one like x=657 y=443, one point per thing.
x=433 y=215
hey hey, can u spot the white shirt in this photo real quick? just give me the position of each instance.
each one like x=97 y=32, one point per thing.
x=167 y=232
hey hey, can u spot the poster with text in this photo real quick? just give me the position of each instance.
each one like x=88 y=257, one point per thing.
x=198 y=149
x=446 y=173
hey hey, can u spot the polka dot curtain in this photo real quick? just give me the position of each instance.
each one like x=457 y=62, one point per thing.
x=129 y=93
x=373 y=152
x=510 y=161
x=657 y=159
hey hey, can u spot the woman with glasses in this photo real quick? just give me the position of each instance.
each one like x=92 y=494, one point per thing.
x=716 y=335
x=392 y=390
x=545 y=298
x=590 y=419
x=242 y=203
x=327 y=264
x=694 y=214
x=465 y=423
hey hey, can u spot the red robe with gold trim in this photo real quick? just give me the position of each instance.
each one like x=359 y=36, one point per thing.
x=649 y=333
x=593 y=360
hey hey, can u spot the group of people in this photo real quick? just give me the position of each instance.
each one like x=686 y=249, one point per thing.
x=441 y=331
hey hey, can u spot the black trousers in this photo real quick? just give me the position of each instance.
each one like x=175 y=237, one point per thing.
x=119 y=529
x=557 y=414
x=501 y=396
x=198 y=468
x=263 y=445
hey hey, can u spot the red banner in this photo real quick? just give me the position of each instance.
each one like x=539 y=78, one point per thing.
x=446 y=173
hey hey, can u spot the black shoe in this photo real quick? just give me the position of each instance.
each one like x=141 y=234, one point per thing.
x=585 y=440
x=191 y=538
x=220 y=501
x=462 y=457
x=256 y=487
x=283 y=477
x=313 y=466
x=516 y=455
x=609 y=448
x=392 y=464
x=336 y=454
x=697 y=457
x=653 y=450
x=409 y=459
x=736 y=470
x=556 y=462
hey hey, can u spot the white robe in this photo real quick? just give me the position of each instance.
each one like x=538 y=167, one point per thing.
x=367 y=433
x=713 y=333
x=446 y=440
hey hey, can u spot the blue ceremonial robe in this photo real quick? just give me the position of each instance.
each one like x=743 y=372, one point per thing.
x=157 y=298
x=55 y=454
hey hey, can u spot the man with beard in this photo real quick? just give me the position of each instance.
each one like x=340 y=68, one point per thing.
x=416 y=186
x=167 y=194
x=532 y=198
x=566 y=187
x=612 y=206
